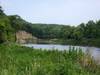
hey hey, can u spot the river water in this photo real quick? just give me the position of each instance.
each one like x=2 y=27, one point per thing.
x=93 y=51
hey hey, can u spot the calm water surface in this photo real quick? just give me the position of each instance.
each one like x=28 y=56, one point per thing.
x=93 y=51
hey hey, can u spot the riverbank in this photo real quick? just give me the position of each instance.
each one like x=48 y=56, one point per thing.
x=82 y=42
x=21 y=60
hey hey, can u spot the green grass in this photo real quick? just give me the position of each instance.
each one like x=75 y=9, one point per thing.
x=18 y=60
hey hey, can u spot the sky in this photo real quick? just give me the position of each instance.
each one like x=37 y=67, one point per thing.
x=68 y=12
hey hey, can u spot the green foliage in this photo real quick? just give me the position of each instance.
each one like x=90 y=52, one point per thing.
x=19 y=60
x=83 y=34
x=5 y=29
x=1 y=11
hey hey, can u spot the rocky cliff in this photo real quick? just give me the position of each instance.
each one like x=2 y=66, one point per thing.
x=25 y=37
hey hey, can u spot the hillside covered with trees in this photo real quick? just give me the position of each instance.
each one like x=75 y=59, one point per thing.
x=83 y=34
x=16 y=59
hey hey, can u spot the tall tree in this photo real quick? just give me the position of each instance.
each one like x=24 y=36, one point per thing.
x=1 y=11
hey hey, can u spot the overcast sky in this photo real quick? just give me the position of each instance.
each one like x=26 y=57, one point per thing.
x=71 y=12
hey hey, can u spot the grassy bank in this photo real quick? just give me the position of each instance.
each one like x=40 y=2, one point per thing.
x=17 y=60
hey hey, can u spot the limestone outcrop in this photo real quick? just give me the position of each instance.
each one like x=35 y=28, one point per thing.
x=25 y=37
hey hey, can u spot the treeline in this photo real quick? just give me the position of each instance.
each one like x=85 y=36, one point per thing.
x=85 y=34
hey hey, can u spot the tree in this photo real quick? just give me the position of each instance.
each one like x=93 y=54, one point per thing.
x=91 y=29
x=98 y=29
x=1 y=11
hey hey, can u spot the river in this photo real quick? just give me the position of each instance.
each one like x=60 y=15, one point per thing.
x=93 y=51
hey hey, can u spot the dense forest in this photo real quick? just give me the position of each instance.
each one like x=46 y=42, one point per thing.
x=83 y=34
